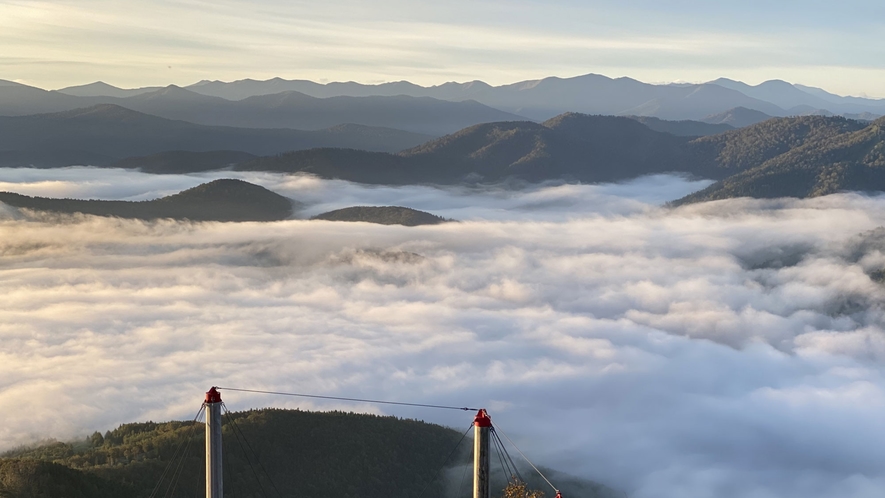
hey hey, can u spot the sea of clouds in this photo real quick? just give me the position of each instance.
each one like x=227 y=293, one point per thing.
x=729 y=349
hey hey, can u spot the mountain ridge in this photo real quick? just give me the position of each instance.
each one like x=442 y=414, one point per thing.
x=116 y=132
x=570 y=94
x=287 y=109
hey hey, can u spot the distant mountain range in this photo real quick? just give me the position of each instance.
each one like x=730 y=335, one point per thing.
x=590 y=94
x=101 y=134
x=725 y=130
x=289 y=109
x=441 y=109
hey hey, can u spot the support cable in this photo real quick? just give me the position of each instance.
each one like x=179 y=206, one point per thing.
x=508 y=475
x=183 y=459
x=245 y=454
x=505 y=466
x=236 y=427
x=358 y=400
x=530 y=462
x=509 y=458
x=174 y=455
x=427 y=485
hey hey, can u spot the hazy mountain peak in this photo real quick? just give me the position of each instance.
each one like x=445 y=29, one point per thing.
x=102 y=89
x=725 y=81
x=97 y=84
x=776 y=82
x=112 y=111
x=175 y=92
x=738 y=117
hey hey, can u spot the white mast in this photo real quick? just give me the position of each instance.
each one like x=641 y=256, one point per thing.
x=214 y=487
x=482 y=427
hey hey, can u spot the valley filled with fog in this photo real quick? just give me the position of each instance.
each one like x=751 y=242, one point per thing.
x=724 y=348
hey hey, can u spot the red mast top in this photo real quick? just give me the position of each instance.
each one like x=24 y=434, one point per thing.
x=482 y=419
x=213 y=396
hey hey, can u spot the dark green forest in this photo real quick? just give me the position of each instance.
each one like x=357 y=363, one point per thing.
x=267 y=452
x=299 y=453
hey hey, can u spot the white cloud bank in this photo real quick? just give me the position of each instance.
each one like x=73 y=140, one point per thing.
x=728 y=349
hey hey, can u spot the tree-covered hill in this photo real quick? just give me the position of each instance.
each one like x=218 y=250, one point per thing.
x=384 y=215
x=29 y=478
x=299 y=453
x=571 y=146
x=826 y=163
x=219 y=200
x=296 y=452
x=748 y=147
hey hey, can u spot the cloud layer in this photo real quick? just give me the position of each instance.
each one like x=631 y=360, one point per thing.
x=727 y=349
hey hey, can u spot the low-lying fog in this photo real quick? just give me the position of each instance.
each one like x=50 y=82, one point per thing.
x=727 y=349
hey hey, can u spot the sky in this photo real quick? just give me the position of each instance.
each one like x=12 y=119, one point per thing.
x=732 y=348
x=129 y=43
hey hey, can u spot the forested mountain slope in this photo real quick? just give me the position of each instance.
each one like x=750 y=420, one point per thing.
x=748 y=147
x=823 y=163
x=296 y=452
x=571 y=146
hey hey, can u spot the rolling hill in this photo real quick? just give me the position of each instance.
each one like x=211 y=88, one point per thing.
x=219 y=200
x=383 y=215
